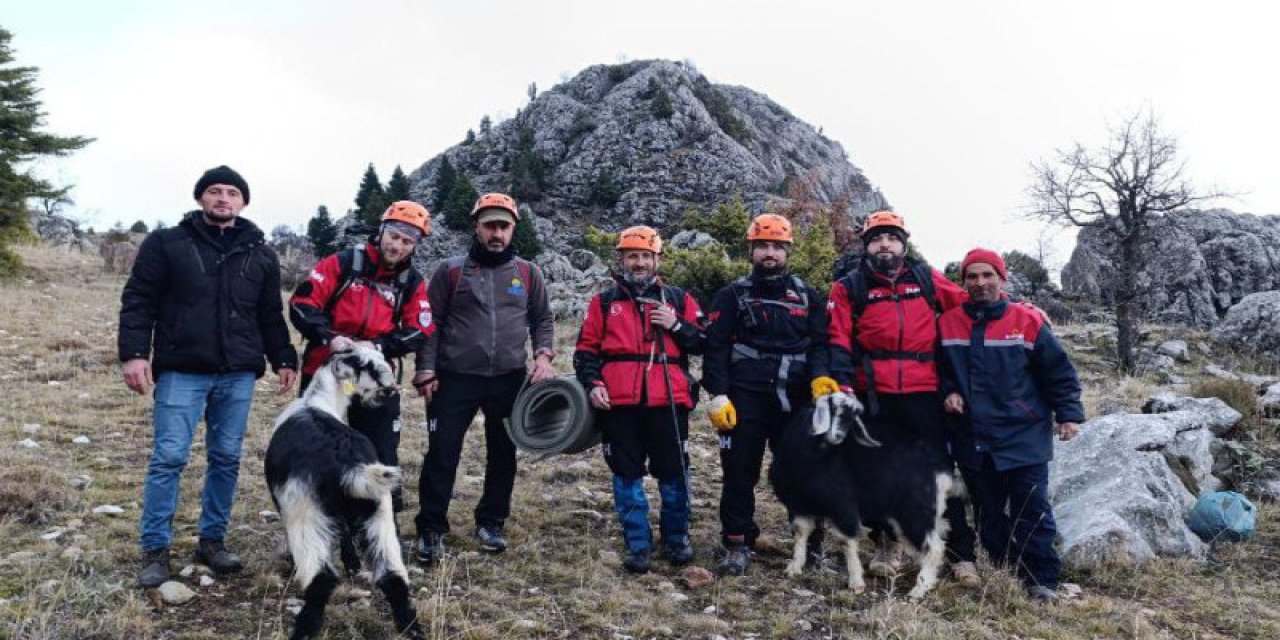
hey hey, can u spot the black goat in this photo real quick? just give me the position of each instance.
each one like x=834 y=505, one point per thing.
x=892 y=485
x=325 y=479
x=812 y=477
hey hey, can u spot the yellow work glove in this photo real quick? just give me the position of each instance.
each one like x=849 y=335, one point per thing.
x=723 y=416
x=823 y=386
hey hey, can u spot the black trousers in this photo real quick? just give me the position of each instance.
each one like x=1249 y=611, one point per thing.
x=449 y=415
x=1015 y=519
x=760 y=424
x=381 y=425
x=638 y=438
x=918 y=418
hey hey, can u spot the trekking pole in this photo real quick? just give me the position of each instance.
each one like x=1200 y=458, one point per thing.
x=675 y=415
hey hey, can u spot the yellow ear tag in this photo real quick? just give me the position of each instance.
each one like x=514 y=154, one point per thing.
x=348 y=387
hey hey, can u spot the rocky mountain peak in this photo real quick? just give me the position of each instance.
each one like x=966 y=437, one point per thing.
x=639 y=143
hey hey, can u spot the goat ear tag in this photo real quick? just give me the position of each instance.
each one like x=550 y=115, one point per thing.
x=348 y=387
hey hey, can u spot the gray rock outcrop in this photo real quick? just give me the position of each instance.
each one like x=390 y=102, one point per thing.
x=639 y=143
x=59 y=231
x=1252 y=325
x=1200 y=264
x=1121 y=488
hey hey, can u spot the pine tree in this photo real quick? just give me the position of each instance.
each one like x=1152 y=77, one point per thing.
x=457 y=209
x=138 y=227
x=445 y=179
x=22 y=142
x=525 y=239
x=398 y=186
x=371 y=198
x=322 y=233
x=485 y=124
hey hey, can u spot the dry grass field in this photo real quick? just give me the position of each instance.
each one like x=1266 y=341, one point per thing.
x=67 y=572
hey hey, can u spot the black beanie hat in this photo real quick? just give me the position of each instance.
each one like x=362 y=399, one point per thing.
x=222 y=174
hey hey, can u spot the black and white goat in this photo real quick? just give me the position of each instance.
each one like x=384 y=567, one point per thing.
x=813 y=478
x=325 y=479
x=888 y=483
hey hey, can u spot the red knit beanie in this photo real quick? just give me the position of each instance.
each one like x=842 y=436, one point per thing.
x=984 y=255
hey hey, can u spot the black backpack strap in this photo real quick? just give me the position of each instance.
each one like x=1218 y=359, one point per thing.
x=924 y=277
x=350 y=267
x=855 y=285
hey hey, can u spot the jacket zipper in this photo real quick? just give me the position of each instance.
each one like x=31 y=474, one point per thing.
x=493 y=319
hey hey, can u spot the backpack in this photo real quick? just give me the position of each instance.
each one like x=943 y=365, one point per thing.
x=456 y=264
x=743 y=284
x=856 y=285
x=352 y=265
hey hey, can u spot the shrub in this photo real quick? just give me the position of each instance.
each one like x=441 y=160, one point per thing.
x=1238 y=394
x=605 y=190
x=727 y=224
x=600 y=242
x=703 y=271
x=720 y=109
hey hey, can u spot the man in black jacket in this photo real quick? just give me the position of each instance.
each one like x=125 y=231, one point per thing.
x=201 y=309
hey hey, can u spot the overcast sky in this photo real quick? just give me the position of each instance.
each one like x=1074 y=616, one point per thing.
x=942 y=104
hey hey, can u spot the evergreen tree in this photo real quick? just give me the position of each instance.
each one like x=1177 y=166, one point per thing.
x=445 y=179
x=470 y=139
x=371 y=198
x=398 y=186
x=322 y=232
x=21 y=142
x=138 y=227
x=485 y=124
x=525 y=239
x=528 y=171
x=457 y=208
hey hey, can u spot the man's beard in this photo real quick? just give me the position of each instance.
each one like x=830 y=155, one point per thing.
x=639 y=281
x=763 y=271
x=885 y=263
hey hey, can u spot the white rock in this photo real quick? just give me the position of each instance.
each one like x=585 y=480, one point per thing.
x=80 y=440
x=1176 y=349
x=711 y=610
x=207 y=581
x=268 y=515
x=173 y=592
x=188 y=571
x=1213 y=413
x=108 y=510
x=1270 y=401
x=29 y=444
x=678 y=597
x=1114 y=494
x=51 y=535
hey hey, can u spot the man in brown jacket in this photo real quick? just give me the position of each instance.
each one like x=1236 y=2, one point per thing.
x=487 y=304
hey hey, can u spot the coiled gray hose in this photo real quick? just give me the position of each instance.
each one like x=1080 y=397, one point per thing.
x=552 y=417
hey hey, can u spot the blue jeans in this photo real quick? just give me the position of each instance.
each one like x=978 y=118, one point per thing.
x=181 y=399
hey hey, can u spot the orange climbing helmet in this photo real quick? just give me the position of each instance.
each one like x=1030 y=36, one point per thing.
x=770 y=226
x=496 y=201
x=881 y=221
x=410 y=213
x=639 y=238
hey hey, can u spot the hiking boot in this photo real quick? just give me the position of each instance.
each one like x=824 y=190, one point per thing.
x=429 y=548
x=637 y=561
x=214 y=554
x=155 y=568
x=886 y=563
x=678 y=551
x=966 y=574
x=735 y=561
x=1043 y=595
x=491 y=539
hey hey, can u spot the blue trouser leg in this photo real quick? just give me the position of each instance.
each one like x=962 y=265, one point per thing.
x=674 y=517
x=179 y=401
x=633 y=512
x=1033 y=526
x=226 y=417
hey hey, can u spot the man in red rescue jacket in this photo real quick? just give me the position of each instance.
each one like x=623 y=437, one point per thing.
x=1007 y=375
x=643 y=406
x=883 y=335
x=369 y=293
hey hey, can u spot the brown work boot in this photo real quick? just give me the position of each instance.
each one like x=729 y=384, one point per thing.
x=966 y=575
x=214 y=554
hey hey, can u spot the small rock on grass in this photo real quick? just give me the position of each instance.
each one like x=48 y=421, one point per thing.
x=207 y=581
x=696 y=577
x=28 y=443
x=80 y=440
x=187 y=571
x=175 y=593
x=108 y=510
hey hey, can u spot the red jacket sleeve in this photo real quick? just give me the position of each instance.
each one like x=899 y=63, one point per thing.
x=307 y=304
x=949 y=294
x=840 y=334
x=587 y=363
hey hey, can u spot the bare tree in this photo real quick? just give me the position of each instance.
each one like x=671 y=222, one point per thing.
x=1118 y=189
